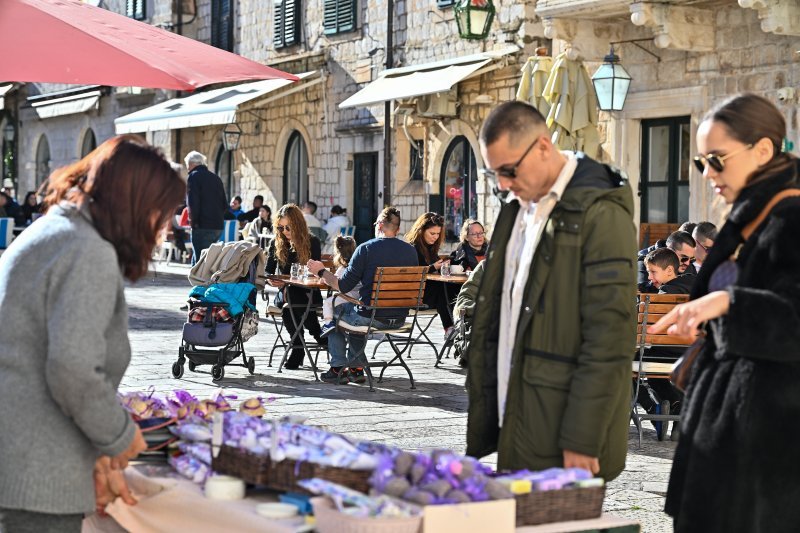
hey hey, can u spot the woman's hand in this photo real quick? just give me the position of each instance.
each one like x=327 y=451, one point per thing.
x=438 y=264
x=686 y=318
x=137 y=446
x=108 y=485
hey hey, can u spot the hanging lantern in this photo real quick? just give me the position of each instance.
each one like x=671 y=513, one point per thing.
x=611 y=83
x=230 y=137
x=474 y=18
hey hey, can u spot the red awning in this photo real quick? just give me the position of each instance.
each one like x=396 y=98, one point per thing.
x=67 y=41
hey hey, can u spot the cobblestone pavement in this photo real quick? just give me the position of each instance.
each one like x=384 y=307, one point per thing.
x=432 y=415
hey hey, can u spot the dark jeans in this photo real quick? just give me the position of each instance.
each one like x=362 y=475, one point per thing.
x=299 y=297
x=19 y=521
x=435 y=298
x=201 y=240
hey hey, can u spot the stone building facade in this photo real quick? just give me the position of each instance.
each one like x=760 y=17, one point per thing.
x=683 y=59
x=297 y=143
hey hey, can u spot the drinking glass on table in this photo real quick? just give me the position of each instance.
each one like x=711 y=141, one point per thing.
x=446 y=269
x=295 y=272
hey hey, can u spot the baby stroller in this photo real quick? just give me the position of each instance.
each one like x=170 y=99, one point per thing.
x=217 y=328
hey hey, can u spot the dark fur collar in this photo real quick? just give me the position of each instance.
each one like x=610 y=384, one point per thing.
x=747 y=207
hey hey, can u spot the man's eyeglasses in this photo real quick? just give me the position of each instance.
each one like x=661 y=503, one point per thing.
x=283 y=228
x=685 y=259
x=716 y=161
x=507 y=172
x=479 y=234
x=704 y=247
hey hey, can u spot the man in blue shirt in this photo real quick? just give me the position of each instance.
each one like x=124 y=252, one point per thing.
x=385 y=250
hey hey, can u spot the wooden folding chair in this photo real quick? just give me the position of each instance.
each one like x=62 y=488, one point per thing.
x=651 y=308
x=392 y=288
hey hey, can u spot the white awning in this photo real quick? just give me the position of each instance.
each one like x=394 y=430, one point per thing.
x=419 y=80
x=3 y=91
x=67 y=105
x=202 y=109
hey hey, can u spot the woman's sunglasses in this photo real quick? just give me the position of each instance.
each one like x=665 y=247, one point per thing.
x=283 y=228
x=716 y=161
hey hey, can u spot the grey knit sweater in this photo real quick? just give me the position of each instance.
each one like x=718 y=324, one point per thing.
x=63 y=350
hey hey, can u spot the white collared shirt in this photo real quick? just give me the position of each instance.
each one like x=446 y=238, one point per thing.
x=528 y=228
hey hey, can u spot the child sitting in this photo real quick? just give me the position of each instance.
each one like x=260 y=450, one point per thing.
x=343 y=249
x=662 y=271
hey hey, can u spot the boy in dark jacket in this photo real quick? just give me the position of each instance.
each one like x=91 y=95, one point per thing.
x=662 y=268
x=662 y=271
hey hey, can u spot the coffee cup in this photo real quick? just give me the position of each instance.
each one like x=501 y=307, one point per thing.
x=457 y=269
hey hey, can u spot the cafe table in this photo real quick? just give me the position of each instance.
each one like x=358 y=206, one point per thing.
x=309 y=284
x=453 y=279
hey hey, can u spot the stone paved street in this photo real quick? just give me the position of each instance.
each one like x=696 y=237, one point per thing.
x=433 y=415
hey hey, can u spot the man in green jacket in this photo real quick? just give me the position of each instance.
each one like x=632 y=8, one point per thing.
x=549 y=382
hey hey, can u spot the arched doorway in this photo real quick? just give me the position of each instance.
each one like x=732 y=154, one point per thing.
x=223 y=166
x=89 y=143
x=458 y=186
x=42 y=160
x=295 y=170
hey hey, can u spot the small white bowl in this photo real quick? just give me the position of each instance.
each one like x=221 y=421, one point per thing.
x=276 y=511
x=457 y=269
x=224 y=488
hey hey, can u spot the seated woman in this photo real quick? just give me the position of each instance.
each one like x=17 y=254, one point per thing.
x=473 y=246
x=255 y=230
x=293 y=244
x=427 y=236
x=30 y=207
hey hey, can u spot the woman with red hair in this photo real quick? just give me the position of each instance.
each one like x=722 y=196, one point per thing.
x=65 y=437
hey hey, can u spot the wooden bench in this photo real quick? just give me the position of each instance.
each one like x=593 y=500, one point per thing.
x=650 y=309
x=650 y=233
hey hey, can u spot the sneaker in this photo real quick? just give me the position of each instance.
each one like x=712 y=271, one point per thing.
x=357 y=375
x=449 y=334
x=327 y=329
x=336 y=375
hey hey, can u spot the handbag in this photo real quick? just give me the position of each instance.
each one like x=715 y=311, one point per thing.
x=682 y=369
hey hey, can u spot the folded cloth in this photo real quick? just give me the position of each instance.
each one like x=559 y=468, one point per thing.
x=198 y=314
x=179 y=505
x=236 y=295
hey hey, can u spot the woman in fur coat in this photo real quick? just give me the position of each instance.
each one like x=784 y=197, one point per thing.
x=735 y=467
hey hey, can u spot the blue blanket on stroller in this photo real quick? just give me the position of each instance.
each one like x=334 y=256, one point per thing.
x=236 y=295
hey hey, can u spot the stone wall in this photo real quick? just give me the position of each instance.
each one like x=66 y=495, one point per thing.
x=745 y=59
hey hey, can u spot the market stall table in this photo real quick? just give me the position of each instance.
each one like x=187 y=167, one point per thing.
x=457 y=279
x=309 y=284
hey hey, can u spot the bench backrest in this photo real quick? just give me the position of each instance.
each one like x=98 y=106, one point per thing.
x=398 y=286
x=230 y=232
x=649 y=233
x=650 y=309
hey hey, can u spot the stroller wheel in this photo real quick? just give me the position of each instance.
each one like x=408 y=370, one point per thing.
x=177 y=370
x=192 y=366
x=217 y=372
x=251 y=365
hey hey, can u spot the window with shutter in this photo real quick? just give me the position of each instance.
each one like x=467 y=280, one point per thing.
x=287 y=23
x=339 y=16
x=135 y=9
x=222 y=24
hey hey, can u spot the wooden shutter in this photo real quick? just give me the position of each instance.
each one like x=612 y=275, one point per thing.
x=287 y=23
x=340 y=16
x=222 y=24
x=135 y=9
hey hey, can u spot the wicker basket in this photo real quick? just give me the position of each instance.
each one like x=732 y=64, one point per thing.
x=283 y=475
x=330 y=520
x=542 y=507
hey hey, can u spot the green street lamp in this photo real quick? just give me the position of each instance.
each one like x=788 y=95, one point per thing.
x=474 y=18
